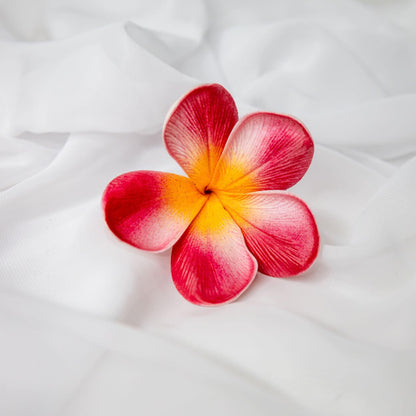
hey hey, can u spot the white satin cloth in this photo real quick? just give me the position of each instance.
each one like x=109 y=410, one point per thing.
x=91 y=326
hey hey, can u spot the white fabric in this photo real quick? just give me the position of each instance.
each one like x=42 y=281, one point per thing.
x=91 y=326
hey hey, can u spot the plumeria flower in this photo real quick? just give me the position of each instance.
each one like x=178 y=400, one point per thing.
x=231 y=216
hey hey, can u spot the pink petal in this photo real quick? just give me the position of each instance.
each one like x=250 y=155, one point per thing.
x=279 y=230
x=211 y=263
x=264 y=151
x=151 y=210
x=197 y=129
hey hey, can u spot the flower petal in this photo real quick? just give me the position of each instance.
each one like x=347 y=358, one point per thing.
x=279 y=230
x=151 y=210
x=197 y=129
x=264 y=151
x=211 y=263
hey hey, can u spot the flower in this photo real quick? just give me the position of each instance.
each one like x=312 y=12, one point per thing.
x=232 y=216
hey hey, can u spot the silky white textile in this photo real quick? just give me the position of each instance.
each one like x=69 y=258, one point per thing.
x=92 y=326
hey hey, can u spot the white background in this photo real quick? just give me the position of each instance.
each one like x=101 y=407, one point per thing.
x=91 y=326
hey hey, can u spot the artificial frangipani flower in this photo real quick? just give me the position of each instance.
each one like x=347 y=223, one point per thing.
x=231 y=216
